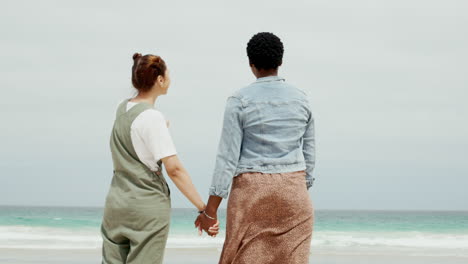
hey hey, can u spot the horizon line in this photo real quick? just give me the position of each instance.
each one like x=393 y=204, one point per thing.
x=318 y=209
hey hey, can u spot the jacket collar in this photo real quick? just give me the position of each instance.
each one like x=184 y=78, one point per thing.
x=269 y=79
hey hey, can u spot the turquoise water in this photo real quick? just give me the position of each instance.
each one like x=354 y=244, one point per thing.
x=182 y=219
x=78 y=227
x=72 y=217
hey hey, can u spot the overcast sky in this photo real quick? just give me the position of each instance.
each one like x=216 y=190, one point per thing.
x=388 y=81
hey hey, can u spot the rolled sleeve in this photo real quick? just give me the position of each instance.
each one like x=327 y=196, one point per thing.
x=219 y=192
x=310 y=183
x=229 y=149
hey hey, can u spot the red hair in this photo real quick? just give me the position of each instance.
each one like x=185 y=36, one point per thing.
x=146 y=70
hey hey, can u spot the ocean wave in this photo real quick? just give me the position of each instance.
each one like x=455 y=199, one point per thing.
x=48 y=238
x=411 y=239
x=90 y=238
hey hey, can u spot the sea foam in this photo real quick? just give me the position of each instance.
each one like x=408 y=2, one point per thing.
x=90 y=238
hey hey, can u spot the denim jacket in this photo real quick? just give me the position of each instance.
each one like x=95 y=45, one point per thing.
x=268 y=127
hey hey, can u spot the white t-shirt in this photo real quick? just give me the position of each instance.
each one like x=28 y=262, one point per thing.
x=150 y=137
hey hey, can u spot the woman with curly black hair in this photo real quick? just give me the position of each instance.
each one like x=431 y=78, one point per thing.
x=267 y=152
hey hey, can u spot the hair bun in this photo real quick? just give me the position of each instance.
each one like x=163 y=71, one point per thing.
x=136 y=56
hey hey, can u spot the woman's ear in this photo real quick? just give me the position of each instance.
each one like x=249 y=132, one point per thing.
x=253 y=69
x=160 y=79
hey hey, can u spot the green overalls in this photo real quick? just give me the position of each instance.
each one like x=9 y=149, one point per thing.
x=136 y=218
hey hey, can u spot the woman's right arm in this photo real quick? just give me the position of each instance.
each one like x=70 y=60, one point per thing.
x=308 y=149
x=182 y=180
x=229 y=149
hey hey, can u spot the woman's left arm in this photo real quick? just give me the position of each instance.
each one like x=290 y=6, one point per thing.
x=182 y=180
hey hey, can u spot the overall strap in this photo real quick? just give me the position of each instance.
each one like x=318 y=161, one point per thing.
x=131 y=115
x=122 y=109
x=128 y=117
x=134 y=111
x=137 y=109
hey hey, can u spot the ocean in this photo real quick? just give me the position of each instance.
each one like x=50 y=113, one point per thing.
x=425 y=233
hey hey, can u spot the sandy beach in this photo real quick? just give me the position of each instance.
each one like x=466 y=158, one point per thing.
x=199 y=256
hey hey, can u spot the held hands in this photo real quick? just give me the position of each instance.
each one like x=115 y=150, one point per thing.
x=207 y=219
x=211 y=226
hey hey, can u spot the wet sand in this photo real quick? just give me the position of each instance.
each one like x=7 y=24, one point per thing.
x=199 y=256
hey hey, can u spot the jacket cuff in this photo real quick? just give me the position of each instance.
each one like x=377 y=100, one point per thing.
x=219 y=192
x=310 y=183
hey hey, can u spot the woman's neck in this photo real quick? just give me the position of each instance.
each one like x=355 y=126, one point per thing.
x=145 y=97
x=266 y=73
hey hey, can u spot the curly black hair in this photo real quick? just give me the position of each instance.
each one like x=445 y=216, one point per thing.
x=265 y=51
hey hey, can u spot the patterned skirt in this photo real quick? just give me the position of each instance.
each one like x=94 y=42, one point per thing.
x=269 y=219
